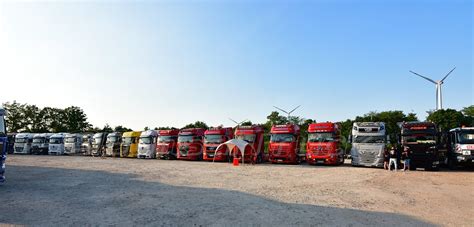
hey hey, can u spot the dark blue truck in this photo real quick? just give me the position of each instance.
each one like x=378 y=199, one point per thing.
x=3 y=144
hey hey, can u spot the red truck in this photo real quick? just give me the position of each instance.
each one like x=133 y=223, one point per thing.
x=190 y=144
x=284 y=144
x=323 y=146
x=213 y=137
x=254 y=136
x=167 y=144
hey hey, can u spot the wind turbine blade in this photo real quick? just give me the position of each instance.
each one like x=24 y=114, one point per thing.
x=243 y=121
x=233 y=121
x=281 y=110
x=448 y=74
x=295 y=109
x=424 y=77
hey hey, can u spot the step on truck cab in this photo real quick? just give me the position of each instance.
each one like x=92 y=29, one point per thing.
x=253 y=135
x=23 y=143
x=112 y=146
x=40 y=143
x=167 y=144
x=98 y=144
x=147 y=144
x=369 y=140
x=213 y=137
x=3 y=144
x=56 y=144
x=284 y=144
x=129 y=146
x=422 y=138
x=11 y=142
x=86 y=145
x=190 y=144
x=461 y=147
x=324 y=145
x=72 y=143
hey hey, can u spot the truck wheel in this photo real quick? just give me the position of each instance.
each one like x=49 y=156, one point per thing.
x=451 y=164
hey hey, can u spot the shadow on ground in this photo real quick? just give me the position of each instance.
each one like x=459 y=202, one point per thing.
x=53 y=196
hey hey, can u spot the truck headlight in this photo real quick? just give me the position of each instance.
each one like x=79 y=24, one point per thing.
x=466 y=152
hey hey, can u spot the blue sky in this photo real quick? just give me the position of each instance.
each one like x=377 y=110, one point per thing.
x=169 y=63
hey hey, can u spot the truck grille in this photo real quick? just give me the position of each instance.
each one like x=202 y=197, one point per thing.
x=19 y=149
x=211 y=148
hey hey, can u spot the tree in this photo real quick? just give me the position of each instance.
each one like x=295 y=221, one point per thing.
x=447 y=119
x=107 y=128
x=122 y=129
x=75 y=120
x=468 y=115
x=14 y=116
x=197 y=124
x=246 y=123
x=146 y=128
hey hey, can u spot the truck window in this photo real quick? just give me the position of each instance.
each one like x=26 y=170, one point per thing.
x=146 y=140
x=282 y=138
x=39 y=140
x=250 y=138
x=369 y=139
x=185 y=139
x=128 y=140
x=213 y=139
x=70 y=140
x=112 y=139
x=20 y=140
x=166 y=139
x=321 y=137
x=466 y=137
x=56 y=140
x=419 y=139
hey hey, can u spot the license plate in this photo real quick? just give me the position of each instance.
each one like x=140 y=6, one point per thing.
x=320 y=161
x=279 y=160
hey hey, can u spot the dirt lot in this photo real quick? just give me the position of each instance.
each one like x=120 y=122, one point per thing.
x=65 y=190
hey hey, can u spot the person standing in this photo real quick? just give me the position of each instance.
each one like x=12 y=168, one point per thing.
x=406 y=158
x=393 y=159
x=386 y=157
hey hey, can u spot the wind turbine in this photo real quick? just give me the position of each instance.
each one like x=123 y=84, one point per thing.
x=238 y=124
x=439 y=97
x=287 y=112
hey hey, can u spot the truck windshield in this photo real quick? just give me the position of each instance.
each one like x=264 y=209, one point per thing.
x=282 y=138
x=369 y=139
x=112 y=139
x=466 y=137
x=166 y=139
x=97 y=140
x=56 y=140
x=213 y=139
x=39 y=140
x=128 y=140
x=70 y=140
x=188 y=139
x=146 y=140
x=250 y=138
x=419 y=139
x=20 y=140
x=321 y=137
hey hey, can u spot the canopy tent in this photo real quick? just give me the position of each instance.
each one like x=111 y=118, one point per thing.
x=231 y=144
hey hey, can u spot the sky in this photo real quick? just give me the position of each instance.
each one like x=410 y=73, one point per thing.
x=170 y=63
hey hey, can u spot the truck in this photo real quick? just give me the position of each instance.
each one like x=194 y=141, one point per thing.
x=56 y=144
x=112 y=147
x=253 y=135
x=213 y=137
x=324 y=145
x=23 y=143
x=98 y=144
x=129 y=146
x=369 y=141
x=3 y=144
x=284 y=146
x=72 y=143
x=40 y=143
x=460 y=147
x=147 y=144
x=190 y=144
x=11 y=143
x=167 y=144
x=422 y=138
x=86 y=145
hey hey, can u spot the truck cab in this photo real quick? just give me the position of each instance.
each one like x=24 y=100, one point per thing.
x=147 y=144
x=423 y=140
x=213 y=137
x=323 y=145
x=167 y=144
x=3 y=144
x=190 y=144
x=23 y=143
x=112 y=147
x=369 y=140
x=253 y=135
x=11 y=142
x=129 y=146
x=72 y=143
x=98 y=144
x=86 y=145
x=461 y=147
x=284 y=144
x=56 y=144
x=40 y=143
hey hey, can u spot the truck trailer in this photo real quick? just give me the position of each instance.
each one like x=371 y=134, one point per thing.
x=190 y=144
x=422 y=138
x=253 y=135
x=213 y=137
x=72 y=143
x=40 y=145
x=324 y=145
x=284 y=144
x=3 y=144
x=461 y=147
x=147 y=144
x=129 y=146
x=369 y=140
x=167 y=144
x=56 y=144
x=23 y=143
x=112 y=146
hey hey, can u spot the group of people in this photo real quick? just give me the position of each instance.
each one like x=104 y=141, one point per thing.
x=391 y=158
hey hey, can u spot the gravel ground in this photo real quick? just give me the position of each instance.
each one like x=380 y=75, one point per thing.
x=74 y=190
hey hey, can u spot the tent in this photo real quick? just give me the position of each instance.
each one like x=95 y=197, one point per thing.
x=231 y=144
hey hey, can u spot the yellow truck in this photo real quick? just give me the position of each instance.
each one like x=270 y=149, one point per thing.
x=129 y=146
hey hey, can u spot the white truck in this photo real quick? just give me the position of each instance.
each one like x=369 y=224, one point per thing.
x=72 y=143
x=23 y=143
x=369 y=140
x=461 y=147
x=40 y=143
x=147 y=144
x=56 y=144
x=86 y=145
